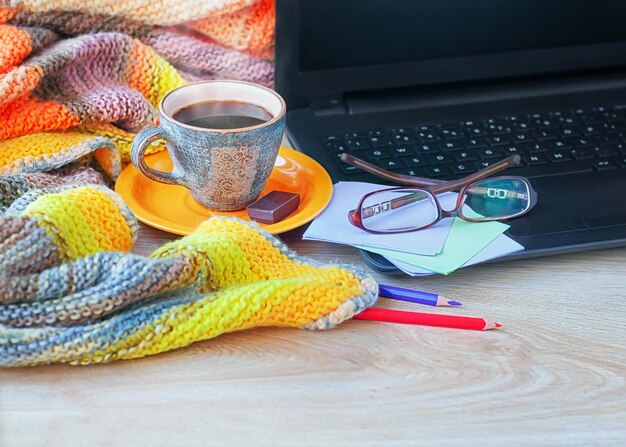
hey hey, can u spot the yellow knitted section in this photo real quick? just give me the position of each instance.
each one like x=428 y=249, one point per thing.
x=150 y=74
x=82 y=221
x=28 y=147
x=229 y=252
x=165 y=78
x=255 y=285
x=49 y=150
x=286 y=303
x=122 y=139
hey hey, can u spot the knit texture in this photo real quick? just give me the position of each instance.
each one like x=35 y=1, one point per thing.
x=78 y=80
x=99 y=69
x=226 y=276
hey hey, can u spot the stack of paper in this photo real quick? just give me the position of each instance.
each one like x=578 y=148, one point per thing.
x=442 y=248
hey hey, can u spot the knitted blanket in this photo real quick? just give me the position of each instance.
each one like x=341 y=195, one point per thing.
x=78 y=79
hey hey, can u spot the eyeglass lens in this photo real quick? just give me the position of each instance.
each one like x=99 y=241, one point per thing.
x=398 y=210
x=492 y=199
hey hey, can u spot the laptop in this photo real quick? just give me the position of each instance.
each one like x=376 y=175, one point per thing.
x=442 y=88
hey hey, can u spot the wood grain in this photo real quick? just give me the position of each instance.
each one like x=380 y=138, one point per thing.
x=553 y=375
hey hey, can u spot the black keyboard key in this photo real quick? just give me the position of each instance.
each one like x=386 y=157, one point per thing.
x=591 y=130
x=545 y=123
x=377 y=154
x=590 y=118
x=552 y=169
x=476 y=131
x=568 y=121
x=613 y=115
x=438 y=159
x=610 y=138
x=451 y=134
x=401 y=151
x=605 y=151
x=450 y=146
x=349 y=169
x=333 y=139
x=405 y=138
x=558 y=156
x=357 y=135
x=490 y=152
x=483 y=164
x=582 y=154
x=413 y=172
x=426 y=128
x=545 y=135
x=401 y=130
x=414 y=162
x=498 y=140
x=512 y=150
x=522 y=137
x=569 y=132
x=520 y=126
x=474 y=143
x=499 y=129
x=378 y=133
x=381 y=141
x=462 y=168
x=337 y=147
x=427 y=136
x=557 y=145
x=426 y=148
x=357 y=143
x=581 y=142
x=536 y=148
x=621 y=161
x=495 y=121
x=534 y=159
x=604 y=165
x=391 y=164
x=437 y=171
x=465 y=156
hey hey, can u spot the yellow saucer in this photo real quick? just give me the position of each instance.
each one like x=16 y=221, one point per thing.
x=171 y=208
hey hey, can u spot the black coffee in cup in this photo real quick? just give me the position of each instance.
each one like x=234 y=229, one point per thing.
x=222 y=115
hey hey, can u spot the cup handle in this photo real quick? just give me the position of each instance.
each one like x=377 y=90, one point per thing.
x=138 y=150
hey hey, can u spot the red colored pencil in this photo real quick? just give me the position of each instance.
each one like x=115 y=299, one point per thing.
x=426 y=319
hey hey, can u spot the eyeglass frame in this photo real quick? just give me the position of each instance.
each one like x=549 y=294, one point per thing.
x=434 y=187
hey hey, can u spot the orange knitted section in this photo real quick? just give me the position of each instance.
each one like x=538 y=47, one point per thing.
x=17 y=84
x=28 y=115
x=140 y=63
x=250 y=28
x=15 y=45
x=7 y=13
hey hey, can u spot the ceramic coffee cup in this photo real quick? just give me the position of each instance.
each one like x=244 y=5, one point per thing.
x=224 y=169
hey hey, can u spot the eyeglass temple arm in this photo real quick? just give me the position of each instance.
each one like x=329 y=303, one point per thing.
x=435 y=186
x=402 y=179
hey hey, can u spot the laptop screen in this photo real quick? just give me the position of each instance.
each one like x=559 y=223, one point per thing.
x=336 y=34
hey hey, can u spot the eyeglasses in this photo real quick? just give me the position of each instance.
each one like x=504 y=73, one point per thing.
x=404 y=209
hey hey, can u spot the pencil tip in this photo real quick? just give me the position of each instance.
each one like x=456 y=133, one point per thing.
x=489 y=325
x=454 y=303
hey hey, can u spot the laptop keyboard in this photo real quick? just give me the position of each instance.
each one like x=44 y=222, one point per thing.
x=555 y=143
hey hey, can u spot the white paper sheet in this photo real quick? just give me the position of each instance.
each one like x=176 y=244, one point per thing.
x=333 y=225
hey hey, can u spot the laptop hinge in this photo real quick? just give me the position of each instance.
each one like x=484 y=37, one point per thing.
x=326 y=108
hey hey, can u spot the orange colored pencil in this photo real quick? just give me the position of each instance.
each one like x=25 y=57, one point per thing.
x=426 y=319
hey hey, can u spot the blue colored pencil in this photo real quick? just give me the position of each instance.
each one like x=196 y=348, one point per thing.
x=414 y=296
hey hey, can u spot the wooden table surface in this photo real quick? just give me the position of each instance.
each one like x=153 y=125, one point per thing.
x=553 y=375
